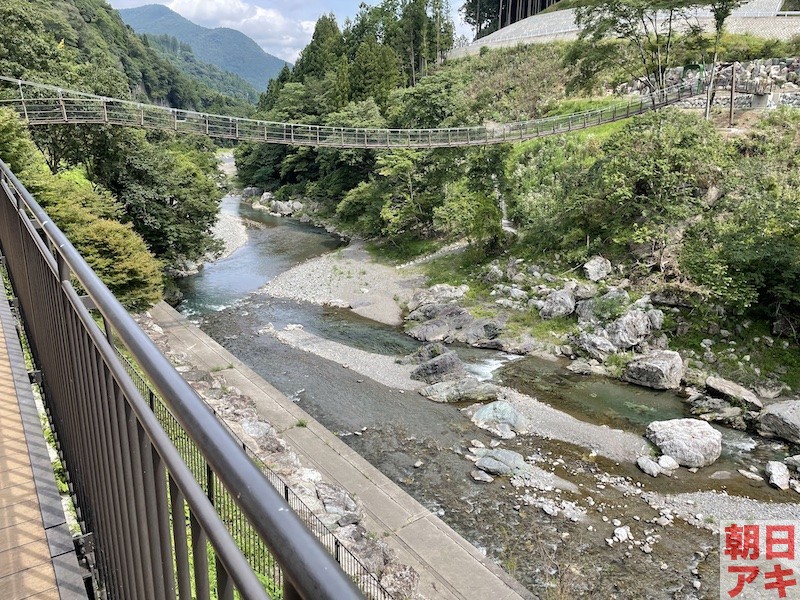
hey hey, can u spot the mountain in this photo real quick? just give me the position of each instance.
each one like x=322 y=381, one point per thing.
x=228 y=49
x=182 y=56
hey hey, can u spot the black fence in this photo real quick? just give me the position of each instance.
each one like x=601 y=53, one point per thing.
x=157 y=534
x=256 y=553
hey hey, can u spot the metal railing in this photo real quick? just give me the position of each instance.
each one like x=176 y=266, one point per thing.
x=257 y=554
x=58 y=106
x=156 y=532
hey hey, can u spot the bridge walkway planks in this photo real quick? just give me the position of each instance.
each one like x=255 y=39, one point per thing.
x=37 y=557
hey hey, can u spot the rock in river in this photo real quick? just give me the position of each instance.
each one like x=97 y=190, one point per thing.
x=778 y=474
x=782 y=420
x=499 y=461
x=461 y=390
x=660 y=370
x=444 y=367
x=648 y=465
x=501 y=419
x=691 y=442
x=733 y=391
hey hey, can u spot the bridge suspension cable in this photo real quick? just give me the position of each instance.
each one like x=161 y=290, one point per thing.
x=41 y=104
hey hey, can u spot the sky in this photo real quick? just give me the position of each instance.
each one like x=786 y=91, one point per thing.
x=280 y=27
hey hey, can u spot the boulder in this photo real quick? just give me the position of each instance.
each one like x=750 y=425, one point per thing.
x=336 y=499
x=501 y=419
x=437 y=294
x=648 y=465
x=581 y=367
x=584 y=291
x=480 y=330
x=597 y=268
x=558 y=304
x=283 y=208
x=667 y=463
x=782 y=420
x=734 y=392
x=656 y=319
x=250 y=192
x=660 y=370
x=691 y=442
x=596 y=346
x=435 y=330
x=425 y=353
x=440 y=368
x=714 y=409
x=499 y=461
x=778 y=474
x=793 y=461
x=630 y=329
x=481 y=476
x=769 y=389
x=461 y=390
x=584 y=310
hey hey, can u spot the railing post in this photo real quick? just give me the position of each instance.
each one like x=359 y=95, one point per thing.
x=63 y=106
x=22 y=97
x=210 y=484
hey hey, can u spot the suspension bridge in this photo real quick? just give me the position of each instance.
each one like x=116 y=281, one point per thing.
x=39 y=104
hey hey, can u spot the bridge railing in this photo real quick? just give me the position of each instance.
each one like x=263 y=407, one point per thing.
x=156 y=531
x=46 y=105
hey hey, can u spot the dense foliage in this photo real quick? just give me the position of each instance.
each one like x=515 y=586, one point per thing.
x=349 y=81
x=677 y=203
x=183 y=57
x=162 y=188
x=88 y=215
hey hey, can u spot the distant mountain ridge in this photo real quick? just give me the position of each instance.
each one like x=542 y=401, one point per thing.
x=226 y=48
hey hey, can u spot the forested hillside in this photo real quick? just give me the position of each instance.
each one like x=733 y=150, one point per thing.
x=183 y=57
x=133 y=203
x=228 y=49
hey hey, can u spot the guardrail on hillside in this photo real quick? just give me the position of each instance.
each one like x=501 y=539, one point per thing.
x=71 y=108
x=133 y=491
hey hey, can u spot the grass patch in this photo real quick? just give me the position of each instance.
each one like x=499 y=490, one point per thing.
x=616 y=363
x=402 y=249
x=464 y=268
x=547 y=330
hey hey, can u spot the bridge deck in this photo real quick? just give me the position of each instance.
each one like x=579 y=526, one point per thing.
x=37 y=558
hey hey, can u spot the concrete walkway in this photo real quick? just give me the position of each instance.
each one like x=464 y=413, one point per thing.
x=37 y=556
x=449 y=566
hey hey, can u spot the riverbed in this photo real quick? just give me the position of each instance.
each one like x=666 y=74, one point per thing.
x=422 y=445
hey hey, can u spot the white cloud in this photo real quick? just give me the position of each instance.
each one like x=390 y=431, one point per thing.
x=269 y=27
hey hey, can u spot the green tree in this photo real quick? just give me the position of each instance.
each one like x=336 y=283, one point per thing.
x=375 y=72
x=326 y=46
x=87 y=216
x=640 y=24
x=721 y=10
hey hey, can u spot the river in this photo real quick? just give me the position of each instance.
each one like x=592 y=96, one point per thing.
x=396 y=431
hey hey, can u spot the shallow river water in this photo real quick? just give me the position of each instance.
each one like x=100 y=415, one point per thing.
x=400 y=429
